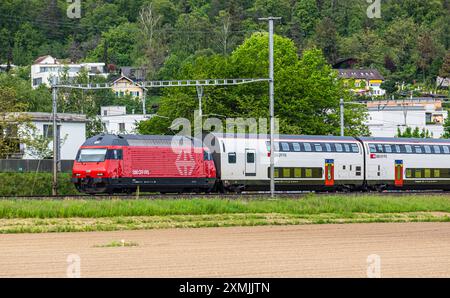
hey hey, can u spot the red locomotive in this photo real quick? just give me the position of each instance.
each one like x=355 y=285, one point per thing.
x=125 y=163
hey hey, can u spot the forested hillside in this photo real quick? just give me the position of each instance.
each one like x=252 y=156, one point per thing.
x=408 y=42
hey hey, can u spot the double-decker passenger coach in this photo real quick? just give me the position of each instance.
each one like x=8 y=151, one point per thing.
x=400 y=163
x=301 y=162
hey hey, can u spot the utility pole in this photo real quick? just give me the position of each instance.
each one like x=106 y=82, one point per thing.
x=200 y=93
x=55 y=139
x=144 y=98
x=341 y=104
x=272 y=102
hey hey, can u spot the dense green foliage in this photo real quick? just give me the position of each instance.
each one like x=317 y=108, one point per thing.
x=211 y=38
x=307 y=90
x=408 y=42
x=34 y=184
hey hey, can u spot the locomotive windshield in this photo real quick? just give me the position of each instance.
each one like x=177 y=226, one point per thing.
x=91 y=155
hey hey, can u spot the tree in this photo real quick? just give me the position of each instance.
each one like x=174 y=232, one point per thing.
x=152 y=45
x=307 y=90
x=26 y=44
x=427 y=52
x=10 y=122
x=444 y=72
x=446 y=134
x=326 y=39
x=305 y=16
x=416 y=133
x=117 y=45
x=390 y=86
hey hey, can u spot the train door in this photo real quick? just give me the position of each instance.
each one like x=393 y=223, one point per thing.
x=329 y=172
x=250 y=162
x=399 y=173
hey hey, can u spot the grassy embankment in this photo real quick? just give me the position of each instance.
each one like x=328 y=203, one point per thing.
x=24 y=216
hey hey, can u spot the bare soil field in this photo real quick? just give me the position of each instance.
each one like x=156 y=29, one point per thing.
x=405 y=250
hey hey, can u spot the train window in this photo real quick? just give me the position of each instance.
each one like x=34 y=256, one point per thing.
x=397 y=149
x=250 y=157
x=277 y=173
x=418 y=149
x=437 y=173
x=298 y=173
x=328 y=147
x=114 y=154
x=286 y=173
x=427 y=173
x=232 y=158
x=285 y=147
x=428 y=149
x=296 y=147
x=409 y=173
x=318 y=147
x=418 y=174
x=277 y=147
x=408 y=148
x=373 y=149
x=92 y=155
x=307 y=147
x=347 y=147
x=380 y=148
x=388 y=148
x=308 y=173
x=339 y=148
x=446 y=150
x=355 y=148
x=437 y=149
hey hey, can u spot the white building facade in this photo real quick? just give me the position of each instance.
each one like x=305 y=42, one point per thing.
x=115 y=120
x=45 y=69
x=386 y=117
x=71 y=133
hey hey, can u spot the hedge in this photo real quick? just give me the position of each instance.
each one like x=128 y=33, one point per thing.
x=34 y=184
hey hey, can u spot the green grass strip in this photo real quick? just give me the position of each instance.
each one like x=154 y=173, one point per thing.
x=340 y=205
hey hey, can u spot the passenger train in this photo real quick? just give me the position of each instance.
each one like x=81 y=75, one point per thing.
x=238 y=162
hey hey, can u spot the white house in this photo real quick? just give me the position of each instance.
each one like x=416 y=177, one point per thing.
x=46 y=68
x=116 y=121
x=386 y=117
x=71 y=132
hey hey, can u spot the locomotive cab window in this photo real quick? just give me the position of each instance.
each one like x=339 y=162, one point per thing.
x=92 y=155
x=232 y=158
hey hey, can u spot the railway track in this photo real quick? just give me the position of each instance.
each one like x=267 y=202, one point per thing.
x=244 y=195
